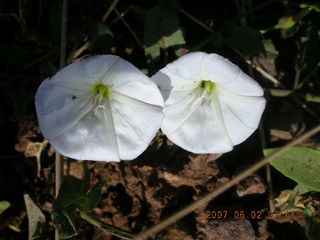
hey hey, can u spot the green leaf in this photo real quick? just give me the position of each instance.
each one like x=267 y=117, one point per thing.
x=297 y=191
x=37 y=220
x=301 y=164
x=279 y=92
x=152 y=53
x=101 y=38
x=270 y=48
x=103 y=30
x=244 y=39
x=285 y=23
x=312 y=228
x=162 y=29
x=94 y=196
x=63 y=221
x=70 y=199
x=4 y=205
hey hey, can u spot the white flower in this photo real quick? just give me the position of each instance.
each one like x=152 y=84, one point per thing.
x=210 y=104
x=100 y=108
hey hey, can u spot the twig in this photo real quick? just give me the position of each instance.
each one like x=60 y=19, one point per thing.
x=63 y=45
x=129 y=28
x=270 y=188
x=86 y=45
x=80 y=50
x=110 y=9
x=59 y=176
x=63 y=42
x=268 y=171
x=36 y=61
x=106 y=227
x=122 y=14
x=264 y=73
x=224 y=187
x=11 y=156
x=200 y=23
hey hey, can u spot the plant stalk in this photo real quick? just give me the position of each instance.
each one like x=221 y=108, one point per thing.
x=106 y=227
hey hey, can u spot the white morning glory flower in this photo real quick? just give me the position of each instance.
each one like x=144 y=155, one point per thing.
x=100 y=108
x=210 y=104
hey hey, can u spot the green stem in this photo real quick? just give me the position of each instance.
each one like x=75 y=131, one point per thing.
x=106 y=227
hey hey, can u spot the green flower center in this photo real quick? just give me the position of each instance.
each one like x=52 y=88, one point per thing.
x=101 y=92
x=207 y=86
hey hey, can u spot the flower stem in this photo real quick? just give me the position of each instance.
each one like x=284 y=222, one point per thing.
x=106 y=227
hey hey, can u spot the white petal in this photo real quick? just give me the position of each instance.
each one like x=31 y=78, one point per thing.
x=82 y=74
x=177 y=113
x=241 y=114
x=136 y=124
x=130 y=81
x=228 y=75
x=59 y=108
x=122 y=132
x=92 y=138
x=183 y=71
x=197 y=126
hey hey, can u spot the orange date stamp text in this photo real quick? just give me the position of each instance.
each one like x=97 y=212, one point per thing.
x=248 y=214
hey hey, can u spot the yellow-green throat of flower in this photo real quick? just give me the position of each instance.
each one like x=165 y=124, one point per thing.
x=206 y=86
x=101 y=92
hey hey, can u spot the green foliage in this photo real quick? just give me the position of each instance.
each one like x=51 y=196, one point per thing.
x=162 y=29
x=312 y=229
x=270 y=48
x=299 y=190
x=101 y=38
x=70 y=199
x=301 y=164
x=4 y=205
x=245 y=39
x=299 y=196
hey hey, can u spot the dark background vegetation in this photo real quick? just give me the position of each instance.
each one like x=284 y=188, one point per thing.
x=150 y=34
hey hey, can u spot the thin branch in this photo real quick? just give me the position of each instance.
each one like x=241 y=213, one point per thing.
x=63 y=46
x=86 y=45
x=110 y=9
x=63 y=42
x=109 y=229
x=264 y=73
x=224 y=187
x=129 y=28
x=268 y=171
x=200 y=23
x=80 y=50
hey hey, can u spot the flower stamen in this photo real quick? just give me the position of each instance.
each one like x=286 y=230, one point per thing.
x=102 y=94
x=101 y=91
x=207 y=86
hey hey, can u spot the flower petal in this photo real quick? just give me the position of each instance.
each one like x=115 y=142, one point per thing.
x=183 y=71
x=59 y=108
x=136 y=124
x=92 y=138
x=128 y=80
x=230 y=76
x=197 y=126
x=241 y=114
x=82 y=74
